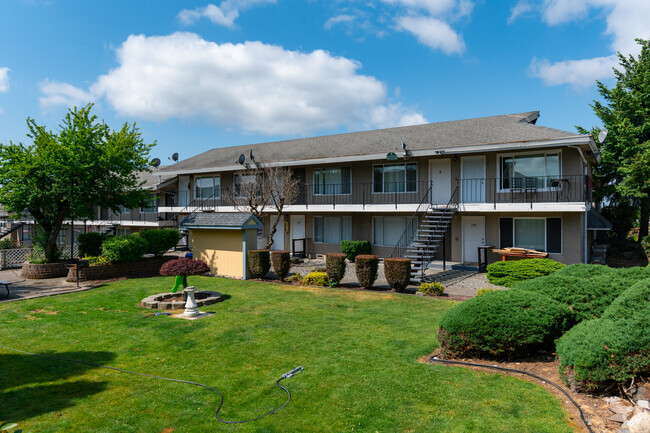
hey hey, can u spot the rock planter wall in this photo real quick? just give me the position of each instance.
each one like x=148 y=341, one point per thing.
x=41 y=271
x=162 y=301
x=141 y=268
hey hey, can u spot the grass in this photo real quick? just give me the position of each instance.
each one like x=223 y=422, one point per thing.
x=359 y=350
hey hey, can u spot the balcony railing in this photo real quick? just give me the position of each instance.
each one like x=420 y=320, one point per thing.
x=540 y=189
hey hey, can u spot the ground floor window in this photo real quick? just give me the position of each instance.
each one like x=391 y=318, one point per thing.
x=541 y=234
x=122 y=231
x=332 y=229
x=387 y=230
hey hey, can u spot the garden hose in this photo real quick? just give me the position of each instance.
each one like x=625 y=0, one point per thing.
x=216 y=413
x=496 y=367
x=149 y=315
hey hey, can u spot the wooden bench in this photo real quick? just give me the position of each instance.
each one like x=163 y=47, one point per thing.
x=6 y=284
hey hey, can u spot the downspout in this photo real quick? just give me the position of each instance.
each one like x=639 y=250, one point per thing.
x=587 y=205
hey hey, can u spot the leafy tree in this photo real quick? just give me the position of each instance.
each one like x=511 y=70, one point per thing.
x=624 y=174
x=64 y=174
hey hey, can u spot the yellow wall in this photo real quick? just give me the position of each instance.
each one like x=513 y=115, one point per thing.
x=220 y=249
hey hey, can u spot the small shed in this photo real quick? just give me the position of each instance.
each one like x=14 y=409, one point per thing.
x=222 y=240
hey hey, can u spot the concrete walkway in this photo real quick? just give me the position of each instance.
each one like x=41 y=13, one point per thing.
x=22 y=288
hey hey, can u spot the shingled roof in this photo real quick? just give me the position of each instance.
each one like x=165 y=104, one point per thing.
x=221 y=220
x=508 y=128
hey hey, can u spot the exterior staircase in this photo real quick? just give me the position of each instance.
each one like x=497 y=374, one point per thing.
x=9 y=229
x=429 y=237
x=425 y=234
x=110 y=229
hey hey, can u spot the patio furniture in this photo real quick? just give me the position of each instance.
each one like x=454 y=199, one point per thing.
x=531 y=188
x=519 y=253
x=6 y=284
x=560 y=186
x=517 y=184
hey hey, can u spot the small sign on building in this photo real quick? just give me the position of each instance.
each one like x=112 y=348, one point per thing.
x=391 y=156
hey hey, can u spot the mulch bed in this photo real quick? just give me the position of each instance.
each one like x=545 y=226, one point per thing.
x=594 y=407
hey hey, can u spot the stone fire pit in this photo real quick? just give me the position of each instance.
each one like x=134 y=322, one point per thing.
x=164 y=301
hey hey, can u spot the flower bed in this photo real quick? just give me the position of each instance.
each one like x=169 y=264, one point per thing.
x=141 y=268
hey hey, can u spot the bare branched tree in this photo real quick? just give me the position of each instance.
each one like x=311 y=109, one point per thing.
x=260 y=188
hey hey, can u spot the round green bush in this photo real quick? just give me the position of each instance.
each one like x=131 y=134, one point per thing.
x=398 y=273
x=504 y=323
x=316 y=279
x=631 y=302
x=281 y=263
x=366 y=268
x=160 y=241
x=598 y=354
x=123 y=249
x=90 y=244
x=508 y=273
x=259 y=263
x=585 y=271
x=335 y=267
x=434 y=288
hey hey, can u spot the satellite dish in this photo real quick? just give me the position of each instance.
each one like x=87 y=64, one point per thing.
x=175 y=157
x=602 y=136
x=403 y=145
x=155 y=162
x=241 y=159
x=250 y=155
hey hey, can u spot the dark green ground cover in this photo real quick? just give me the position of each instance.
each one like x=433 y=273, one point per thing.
x=359 y=350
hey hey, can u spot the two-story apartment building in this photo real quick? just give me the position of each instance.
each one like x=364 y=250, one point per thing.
x=503 y=180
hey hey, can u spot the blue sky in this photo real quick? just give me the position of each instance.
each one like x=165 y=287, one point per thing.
x=196 y=75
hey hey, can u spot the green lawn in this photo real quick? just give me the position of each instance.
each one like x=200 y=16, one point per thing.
x=359 y=350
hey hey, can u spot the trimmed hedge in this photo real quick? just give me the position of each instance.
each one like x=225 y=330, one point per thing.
x=124 y=249
x=160 y=241
x=335 y=266
x=598 y=354
x=259 y=263
x=90 y=244
x=631 y=302
x=585 y=271
x=353 y=248
x=366 y=268
x=398 y=273
x=316 y=278
x=281 y=263
x=508 y=273
x=184 y=266
x=503 y=323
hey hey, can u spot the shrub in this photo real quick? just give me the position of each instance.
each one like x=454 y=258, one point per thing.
x=316 y=279
x=281 y=263
x=508 y=273
x=485 y=290
x=366 y=268
x=160 y=241
x=335 y=266
x=398 y=273
x=589 y=296
x=7 y=244
x=259 y=263
x=96 y=260
x=504 y=323
x=90 y=244
x=631 y=302
x=645 y=243
x=294 y=279
x=185 y=267
x=597 y=354
x=122 y=249
x=432 y=289
x=353 y=248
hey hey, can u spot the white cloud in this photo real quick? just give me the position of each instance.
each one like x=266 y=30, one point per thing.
x=432 y=32
x=339 y=19
x=4 y=79
x=434 y=7
x=250 y=86
x=523 y=7
x=225 y=14
x=56 y=93
x=578 y=73
x=626 y=20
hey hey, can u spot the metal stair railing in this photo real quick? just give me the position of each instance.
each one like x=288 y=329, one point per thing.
x=411 y=227
x=191 y=208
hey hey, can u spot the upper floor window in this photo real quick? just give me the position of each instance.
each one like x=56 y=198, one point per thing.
x=395 y=178
x=529 y=170
x=332 y=181
x=124 y=209
x=208 y=187
x=247 y=185
x=152 y=205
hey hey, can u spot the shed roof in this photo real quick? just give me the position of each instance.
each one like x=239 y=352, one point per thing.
x=595 y=221
x=507 y=128
x=222 y=220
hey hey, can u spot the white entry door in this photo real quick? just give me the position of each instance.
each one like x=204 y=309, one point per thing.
x=278 y=237
x=472 y=182
x=473 y=237
x=297 y=229
x=440 y=178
